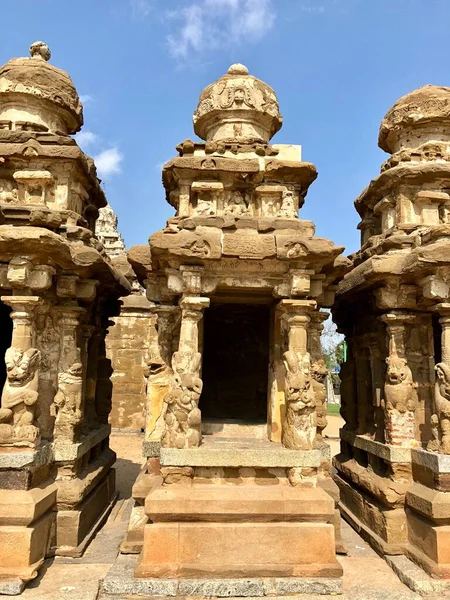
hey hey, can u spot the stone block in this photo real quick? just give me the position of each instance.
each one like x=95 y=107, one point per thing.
x=433 y=541
x=239 y=457
x=245 y=244
x=387 y=524
x=228 y=550
x=22 y=507
x=73 y=527
x=203 y=502
x=23 y=549
x=430 y=503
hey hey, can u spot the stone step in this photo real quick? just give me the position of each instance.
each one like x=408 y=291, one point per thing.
x=234 y=429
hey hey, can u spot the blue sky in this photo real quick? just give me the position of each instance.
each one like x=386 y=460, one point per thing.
x=139 y=65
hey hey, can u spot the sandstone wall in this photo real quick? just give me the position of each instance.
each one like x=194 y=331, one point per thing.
x=127 y=347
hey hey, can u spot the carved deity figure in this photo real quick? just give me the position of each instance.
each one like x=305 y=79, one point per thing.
x=441 y=420
x=299 y=430
x=66 y=405
x=399 y=388
x=287 y=209
x=19 y=398
x=236 y=205
x=319 y=374
x=182 y=416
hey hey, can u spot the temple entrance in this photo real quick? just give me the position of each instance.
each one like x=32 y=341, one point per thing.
x=235 y=363
x=6 y=327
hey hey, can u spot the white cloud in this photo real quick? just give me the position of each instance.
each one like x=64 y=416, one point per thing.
x=86 y=98
x=140 y=8
x=312 y=9
x=86 y=138
x=207 y=24
x=108 y=162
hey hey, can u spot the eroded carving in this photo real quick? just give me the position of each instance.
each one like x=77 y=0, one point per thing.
x=181 y=413
x=299 y=430
x=19 y=398
x=441 y=420
x=66 y=405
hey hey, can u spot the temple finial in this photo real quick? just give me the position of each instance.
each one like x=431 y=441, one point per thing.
x=40 y=50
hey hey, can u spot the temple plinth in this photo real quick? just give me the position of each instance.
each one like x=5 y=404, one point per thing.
x=237 y=281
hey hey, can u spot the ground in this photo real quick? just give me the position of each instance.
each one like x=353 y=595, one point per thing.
x=366 y=575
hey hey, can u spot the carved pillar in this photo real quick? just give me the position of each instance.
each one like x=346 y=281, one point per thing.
x=181 y=414
x=377 y=386
x=400 y=395
x=440 y=420
x=159 y=372
x=299 y=429
x=318 y=369
x=67 y=404
x=20 y=393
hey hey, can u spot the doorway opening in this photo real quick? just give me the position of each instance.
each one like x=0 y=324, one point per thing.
x=6 y=329
x=235 y=363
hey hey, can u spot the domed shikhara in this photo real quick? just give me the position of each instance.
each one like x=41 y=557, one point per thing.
x=237 y=107
x=416 y=118
x=35 y=95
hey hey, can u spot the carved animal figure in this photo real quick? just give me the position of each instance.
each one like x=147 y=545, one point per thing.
x=19 y=397
x=399 y=388
x=181 y=413
x=299 y=430
x=66 y=405
x=318 y=374
x=442 y=405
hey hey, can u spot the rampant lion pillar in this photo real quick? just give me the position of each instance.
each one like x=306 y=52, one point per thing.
x=181 y=413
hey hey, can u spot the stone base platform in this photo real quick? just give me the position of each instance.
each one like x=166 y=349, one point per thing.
x=238 y=531
x=76 y=528
x=120 y=583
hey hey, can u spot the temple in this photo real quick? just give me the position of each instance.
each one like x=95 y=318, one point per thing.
x=393 y=306
x=206 y=343
x=58 y=290
x=235 y=380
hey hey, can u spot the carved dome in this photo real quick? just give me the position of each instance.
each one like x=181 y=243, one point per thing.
x=237 y=107
x=35 y=94
x=421 y=116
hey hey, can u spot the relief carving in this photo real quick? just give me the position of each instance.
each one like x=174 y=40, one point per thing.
x=440 y=421
x=66 y=405
x=400 y=402
x=236 y=204
x=287 y=209
x=181 y=414
x=319 y=374
x=19 y=398
x=299 y=430
x=8 y=192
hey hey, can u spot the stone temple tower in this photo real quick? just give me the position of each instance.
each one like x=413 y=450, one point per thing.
x=235 y=378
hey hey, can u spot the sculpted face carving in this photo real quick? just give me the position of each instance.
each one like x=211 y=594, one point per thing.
x=399 y=387
x=19 y=397
x=298 y=429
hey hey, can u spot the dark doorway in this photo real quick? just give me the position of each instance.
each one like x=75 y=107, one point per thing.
x=6 y=327
x=235 y=362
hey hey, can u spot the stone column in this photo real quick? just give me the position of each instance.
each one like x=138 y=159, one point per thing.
x=400 y=391
x=318 y=369
x=159 y=372
x=67 y=404
x=376 y=374
x=299 y=429
x=181 y=414
x=20 y=393
x=440 y=420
